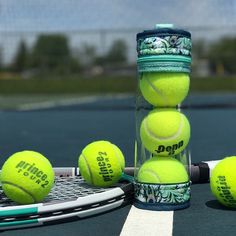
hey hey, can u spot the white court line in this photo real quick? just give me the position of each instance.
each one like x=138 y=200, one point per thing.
x=211 y=165
x=69 y=102
x=148 y=223
x=52 y=104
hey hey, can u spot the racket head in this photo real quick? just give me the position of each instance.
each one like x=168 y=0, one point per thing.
x=70 y=191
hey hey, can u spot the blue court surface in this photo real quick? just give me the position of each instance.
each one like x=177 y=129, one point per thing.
x=60 y=131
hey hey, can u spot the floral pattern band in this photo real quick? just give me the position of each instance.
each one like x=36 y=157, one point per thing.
x=159 y=45
x=162 y=194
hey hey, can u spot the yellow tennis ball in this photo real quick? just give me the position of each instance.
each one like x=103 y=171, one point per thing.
x=164 y=89
x=162 y=170
x=27 y=177
x=223 y=181
x=101 y=163
x=165 y=132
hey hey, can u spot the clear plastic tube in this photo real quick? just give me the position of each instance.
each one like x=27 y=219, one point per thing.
x=162 y=154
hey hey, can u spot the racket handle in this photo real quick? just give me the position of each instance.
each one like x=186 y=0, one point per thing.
x=129 y=171
x=200 y=173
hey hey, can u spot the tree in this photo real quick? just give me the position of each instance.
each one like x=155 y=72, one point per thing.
x=199 y=49
x=20 y=61
x=117 y=52
x=1 y=58
x=87 y=54
x=51 y=53
x=222 y=55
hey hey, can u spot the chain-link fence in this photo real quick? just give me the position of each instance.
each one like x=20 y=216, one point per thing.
x=93 y=31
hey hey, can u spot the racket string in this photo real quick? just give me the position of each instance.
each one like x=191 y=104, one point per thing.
x=65 y=189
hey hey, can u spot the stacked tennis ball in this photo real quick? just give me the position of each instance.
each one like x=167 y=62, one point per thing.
x=164 y=67
x=164 y=133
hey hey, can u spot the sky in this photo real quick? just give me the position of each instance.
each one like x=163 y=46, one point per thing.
x=24 y=18
x=41 y=15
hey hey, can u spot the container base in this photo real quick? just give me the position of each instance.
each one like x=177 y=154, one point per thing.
x=161 y=207
x=162 y=197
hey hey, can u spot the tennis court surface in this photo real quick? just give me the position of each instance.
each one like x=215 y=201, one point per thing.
x=61 y=129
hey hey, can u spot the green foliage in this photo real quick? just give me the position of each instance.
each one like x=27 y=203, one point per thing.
x=87 y=54
x=51 y=54
x=116 y=54
x=50 y=51
x=1 y=58
x=213 y=84
x=199 y=48
x=223 y=53
x=21 y=60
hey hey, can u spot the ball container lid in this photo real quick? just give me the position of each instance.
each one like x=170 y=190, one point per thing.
x=164 y=49
x=164 y=29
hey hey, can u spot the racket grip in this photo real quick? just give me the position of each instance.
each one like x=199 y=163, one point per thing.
x=129 y=171
x=200 y=173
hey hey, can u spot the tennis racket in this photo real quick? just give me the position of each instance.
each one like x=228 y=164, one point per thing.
x=71 y=198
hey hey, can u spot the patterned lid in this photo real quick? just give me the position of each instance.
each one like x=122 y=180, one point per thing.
x=164 y=29
x=164 y=48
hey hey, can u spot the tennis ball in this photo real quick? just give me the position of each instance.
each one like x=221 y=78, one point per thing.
x=101 y=163
x=165 y=170
x=165 y=132
x=223 y=181
x=164 y=89
x=27 y=177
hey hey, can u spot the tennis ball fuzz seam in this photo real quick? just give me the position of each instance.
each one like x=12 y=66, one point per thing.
x=162 y=170
x=171 y=148
x=162 y=95
x=175 y=135
x=119 y=160
x=101 y=163
x=4 y=183
x=88 y=168
x=152 y=173
x=165 y=132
